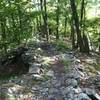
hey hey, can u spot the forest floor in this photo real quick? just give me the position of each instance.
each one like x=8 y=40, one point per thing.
x=55 y=74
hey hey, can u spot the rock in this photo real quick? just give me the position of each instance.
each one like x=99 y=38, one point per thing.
x=56 y=96
x=35 y=65
x=77 y=61
x=51 y=97
x=34 y=88
x=35 y=69
x=91 y=93
x=50 y=73
x=82 y=96
x=53 y=90
x=97 y=80
x=46 y=84
x=37 y=77
x=65 y=57
x=11 y=90
x=56 y=83
x=69 y=91
x=72 y=74
x=77 y=90
x=72 y=82
x=90 y=61
x=44 y=91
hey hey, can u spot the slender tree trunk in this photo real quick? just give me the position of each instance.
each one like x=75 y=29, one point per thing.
x=82 y=11
x=65 y=26
x=57 y=19
x=37 y=23
x=41 y=5
x=65 y=19
x=39 y=9
x=82 y=16
x=82 y=21
x=3 y=31
x=45 y=21
x=77 y=25
x=72 y=34
x=34 y=28
x=20 y=31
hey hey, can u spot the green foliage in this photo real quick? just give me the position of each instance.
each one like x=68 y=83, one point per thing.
x=64 y=62
x=61 y=46
x=15 y=23
x=20 y=19
x=97 y=65
x=94 y=30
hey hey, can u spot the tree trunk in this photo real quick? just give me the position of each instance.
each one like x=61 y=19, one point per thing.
x=45 y=20
x=82 y=21
x=57 y=20
x=20 y=23
x=65 y=19
x=65 y=24
x=3 y=31
x=86 y=44
x=72 y=34
x=77 y=25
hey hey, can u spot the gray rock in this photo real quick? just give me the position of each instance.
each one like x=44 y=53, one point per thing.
x=50 y=73
x=72 y=82
x=53 y=90
x=77 y=61
x=56 y=96
x=97 y=80
x=77 y=90
x=82 y=96
x=72 y=74
x=36 y=65
x=45 y=90
x=92 y=94
x=68 y=90
x=51 y=97
x=34 y=70
x=65 y=57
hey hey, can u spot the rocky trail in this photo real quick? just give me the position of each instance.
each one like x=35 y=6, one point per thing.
x=54 y=75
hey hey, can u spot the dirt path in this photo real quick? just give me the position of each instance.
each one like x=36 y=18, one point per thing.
x=59 y=84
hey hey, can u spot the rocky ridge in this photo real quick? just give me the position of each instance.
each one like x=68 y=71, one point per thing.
x=52 y=75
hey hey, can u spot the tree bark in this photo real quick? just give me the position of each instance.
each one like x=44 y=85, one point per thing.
x=3 y=30
x=77 y=25
x=45 y=20
x=65 y=19
x=57 y=20
x=82 y=21
x=72 y=34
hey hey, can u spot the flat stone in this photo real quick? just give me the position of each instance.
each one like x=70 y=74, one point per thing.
x=82 y=96
x=53 y=90
x=34 y=70
x=78 y=90
x=72 y=82
x=50 y=73
x=91 y=93
x=68 y=90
